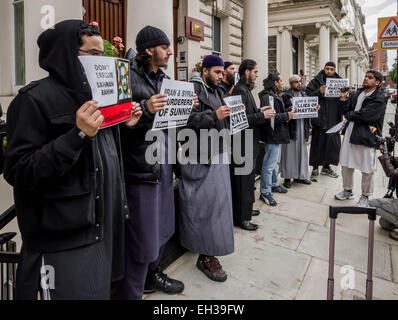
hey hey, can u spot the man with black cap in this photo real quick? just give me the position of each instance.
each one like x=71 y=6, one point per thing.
x=149 y=187
x=325 y=148
x=66 y=173
x=206 y=225
x=228 y=80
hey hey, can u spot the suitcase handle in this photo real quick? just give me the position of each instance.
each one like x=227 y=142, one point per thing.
x=335 y=210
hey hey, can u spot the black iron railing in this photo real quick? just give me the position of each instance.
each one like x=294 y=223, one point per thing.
x=8 y=257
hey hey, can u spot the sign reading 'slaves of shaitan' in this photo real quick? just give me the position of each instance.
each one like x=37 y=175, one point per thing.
x=333 y=87
x=109 y=79
x=305 y=107
x=179 y=105
x=238 y=118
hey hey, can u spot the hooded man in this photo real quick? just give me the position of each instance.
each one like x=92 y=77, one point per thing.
x=66 y=173
x=243 y=185
x=364 y=111
x=206 y=225
x=228 y=80
x=325 y=147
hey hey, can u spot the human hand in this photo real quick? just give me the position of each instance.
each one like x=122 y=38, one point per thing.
x=89 y=118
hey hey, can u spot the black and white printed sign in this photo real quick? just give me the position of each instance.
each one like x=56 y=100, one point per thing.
x=333 y=87
x=179 y=105
x=305 y=107
x=238 y=118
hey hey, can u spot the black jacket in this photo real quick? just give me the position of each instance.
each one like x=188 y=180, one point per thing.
x=329 y=114
x=280 y=133
x=370 y=115
x=293 y=123
x=52 y=169
x=137 y=170
x=224 y=87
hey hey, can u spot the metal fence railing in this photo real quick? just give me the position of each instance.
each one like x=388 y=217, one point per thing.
x=8 y=257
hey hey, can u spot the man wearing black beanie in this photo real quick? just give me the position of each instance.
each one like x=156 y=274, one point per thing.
x=149 y=188
x=228 y=80
x=325 y=148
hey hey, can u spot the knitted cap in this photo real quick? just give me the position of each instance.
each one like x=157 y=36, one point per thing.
x=212 y=61
x=227 y=64
x=150 y=37
x=330 y=64
x=294 y=77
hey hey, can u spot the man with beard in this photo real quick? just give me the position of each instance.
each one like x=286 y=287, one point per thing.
x=206 y=225
x=325 y=148
x=66 y=173
x=294 y=156
x=243 y=185
x=364 y=111
x=149 y=187
x=228 y=80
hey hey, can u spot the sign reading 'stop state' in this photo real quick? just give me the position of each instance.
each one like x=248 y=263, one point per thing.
x=109 y=79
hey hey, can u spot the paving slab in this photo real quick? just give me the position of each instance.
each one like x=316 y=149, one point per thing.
x=298 y=209
x=394 y=263
x=314 y=286
x=350 y=250
x=278 y=230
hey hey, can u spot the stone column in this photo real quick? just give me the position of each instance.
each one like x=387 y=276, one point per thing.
x=286 y=53
x=301 y=54
x=353 y=71
x=334 y=50
x=255 y=38
x=324 y=42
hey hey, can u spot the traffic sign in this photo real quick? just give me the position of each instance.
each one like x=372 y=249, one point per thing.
x=388 y=33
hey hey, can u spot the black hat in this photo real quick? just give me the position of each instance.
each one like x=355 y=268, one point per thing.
x=330 y=64
x=227 y=64
x=150 y=37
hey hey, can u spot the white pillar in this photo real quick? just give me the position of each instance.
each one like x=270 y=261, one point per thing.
x=255 y=38
x=7 y=51
x=286 y=53
x=301 y=54
x=142 y=13
x=324 y=42
x=353 y=71
x=334 y=50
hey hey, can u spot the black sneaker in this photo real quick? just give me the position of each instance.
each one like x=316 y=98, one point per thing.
x=287 y=184
x=161 y=282
x=268 y=199
x=279 y=189
x=329 y=172
x=314 y=175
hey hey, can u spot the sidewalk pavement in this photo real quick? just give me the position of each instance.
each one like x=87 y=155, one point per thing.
x=287 y=257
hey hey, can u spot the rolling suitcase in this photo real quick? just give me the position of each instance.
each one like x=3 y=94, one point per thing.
x=333 y=213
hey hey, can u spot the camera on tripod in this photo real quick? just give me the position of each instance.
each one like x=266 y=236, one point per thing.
x=389 y=141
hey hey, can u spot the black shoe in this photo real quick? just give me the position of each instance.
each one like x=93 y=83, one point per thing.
x=161 y=282
x=279 y=189
x=268 y=199
x=255 y=213
x=314 y=175
x=287 y=184
x=303 y=181
x=247 y=225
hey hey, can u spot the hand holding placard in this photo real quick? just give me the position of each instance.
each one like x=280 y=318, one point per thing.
x=136 y=113
x=89 y=118
x=157 y=103
x=223 y=112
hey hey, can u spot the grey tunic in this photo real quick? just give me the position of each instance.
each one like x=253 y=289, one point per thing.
x=294 y=156
x=206 y=224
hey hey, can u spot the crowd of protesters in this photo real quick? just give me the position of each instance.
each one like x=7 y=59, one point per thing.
x=90 y=205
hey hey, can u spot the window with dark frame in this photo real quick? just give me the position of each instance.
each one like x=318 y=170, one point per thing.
x=216 y=35
x=19 y=43
x=271 y=54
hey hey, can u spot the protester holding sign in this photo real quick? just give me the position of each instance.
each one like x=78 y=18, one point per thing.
x=243 y=185
x=364 y=111
x=66 y=173
x=150 y=191
x=294 y=156
x=206 y=225
x=273 y=137
x=325 y=148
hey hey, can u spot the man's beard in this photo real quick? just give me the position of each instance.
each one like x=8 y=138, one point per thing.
x=158 y=62
x=296 y=89
x=230 y=79
x=210 y=82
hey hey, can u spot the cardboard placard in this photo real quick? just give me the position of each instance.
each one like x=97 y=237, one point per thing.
x=238 y=118
x=109 y=79
x=179 y=105
x=333 y=87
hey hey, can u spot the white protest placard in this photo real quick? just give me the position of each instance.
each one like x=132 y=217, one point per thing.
x=179 y=105
x=272 y=105
x=338 y=127
x=305 y=107
x=109 y=80
x=333 y=87
x=238 y=118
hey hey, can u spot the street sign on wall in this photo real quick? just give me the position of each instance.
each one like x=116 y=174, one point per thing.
x=387 y=33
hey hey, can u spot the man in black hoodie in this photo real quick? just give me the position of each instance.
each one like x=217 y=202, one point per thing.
x=364 y=111
x=66 y=173
x=325 y=148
